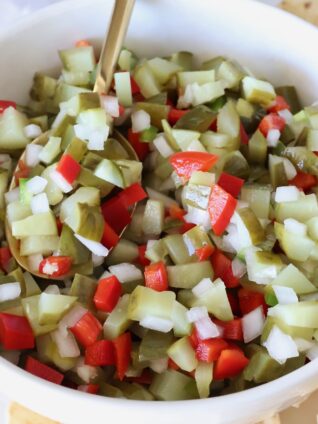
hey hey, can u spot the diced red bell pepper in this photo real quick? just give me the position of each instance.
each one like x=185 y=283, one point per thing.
x=55 y=266
x=110 y=238
x=243 y=135
x=231 y=329
x=194 y=338
x=176 y=212
x=134 y=86
x=172 y=365
x=229 y=364
x=121 y=110
x=142 y=149
x=222 y=267
x=156 y=277
x=203 y=253
x=107 y=294
x=209 y=350
x=15 y=332
x=122 y=345
x=87 y=329
x=89 y=388
x=186 y=226
x=280 y=104
x=5 y=256
x=100 y=354
x=221 y=208
x=175 y=114
x=41 y=370
x=231 y=184
x=142 y=260
x=132 y=194
x=271 y=121
x=304 y=181
x=185 y=163
x=59 y=226
x=69 y=168
x=116 y=214
x=232 y=296
x=4 y=104
x=214 y=125
x=23 y=171
x=250 y=300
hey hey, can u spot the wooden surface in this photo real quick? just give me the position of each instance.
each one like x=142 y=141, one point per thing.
x=20 y=415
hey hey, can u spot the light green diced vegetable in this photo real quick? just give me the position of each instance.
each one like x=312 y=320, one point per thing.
x=185 y=137
x=24 y=194
x=152 y=223
x=162 y=69
x=202 y=178
x=207 y=92
x=177 y=249
x=183 y=59
x=117 y=321
x=65 y=92
x=173 y=385
x=312 y=227
x=302 y=158
x=312 y=140
x=79 y=78
x=78 y=59
x=127 y=60
x=76 y=148
x=59 y=126
x=88 y=195
x=196 y=195
x=301 y=314
x=198 y=119
x=31 y=287
x=154 y=345
x=41 y=224
x=234 y=163
x=44 y=245
x=293 y=278
x=263 y=267
x=181 y=325
x=123 y=88
x=78 y=104
x=4 y=177
x=48 y=352
x=296 y=247
x=52 y=307
x=130 y=169
x=50 y=150
x=203 y=376
x=257 y=148
x=293 y=331
x=249 y=228
x=157 y=252
x=107 y=170
x=12 y=123
x=43 y=87
x=124 y=251
x=87 y=178
x=244 y=108
x=186 y=298
x=69 y=245
x=84 y=288
x=301 y=210
x=262 y=367
x=277 y=171
x=189 y=275
x=230 y=73
x=258 y=91
x=258 y=198
x=53 y=192
x=196 y=238
x=228 y=122
x=182 y=353
x=17 y=211
x=211 y=139
x=87 y=221
x=146 y=80
x=31 y=309
x=200 y=77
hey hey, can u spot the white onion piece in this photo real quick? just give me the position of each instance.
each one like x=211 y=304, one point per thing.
x=5 y=161
x=32 y=131
x=196 y=313
x=185 y=100
x=280 y=346
x=60 y=181
x=36 y=185
x=97 y=260
x=163 y=146
x=66 y=345
x=12 y=195
x=159 y=365
x=157 y=324
x=290 y=170
x=86 y=372
x=196 y=146
x=52 y=289
x=34 y=261
x=155 y=195
x=312 y=353
x=9 y=291
x=202 y=287
x=273 y=137
x=72 y=318
x=285 y=295
x=105 y=274
x=59 y=117
x=238 y=268
x=231 y=241
x=150 y=244
x=40 y=203
x=206 y=328
x=110 y=104
x=126 y=272
x=198 y=217
x=140 y=120
x=82 y=131
x=303 y=345
x=286 y=115
x=295 y=227
x=286 y=194
x=253 y=324
x=97 y=138
x=32 y=152
x=94 y=246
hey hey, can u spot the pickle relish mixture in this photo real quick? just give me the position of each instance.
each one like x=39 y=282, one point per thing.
x=189 y=273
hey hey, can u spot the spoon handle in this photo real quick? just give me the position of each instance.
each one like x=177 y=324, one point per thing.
x=113 y=44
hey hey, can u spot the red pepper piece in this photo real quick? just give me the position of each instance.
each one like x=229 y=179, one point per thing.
x=23 y=171
x=87 y=329
x=229 y=364
x=122 y=345
x=59 y=226
x=156 y=277
x=116 y=214
x=221 y=208
x=176 y=212
x=271 y=121
x=232 y=296
x=175 y=114
x=209 y=350
x=250 y=300
x=15 y=332
x=41 y=370
x=134 y=86
x=132 y=194
x=194 y=338
x=69 y=168
x=243 y=135
x=172 y=365
x=89 y=388
x=107 y=294
x=231 y=184
x=186 y=227
x=142 y=149
x=304 y=181
x=203 y=253
x=4 y=104
x=231 y=329
x=55 y=266
x=5 y=256
x=110 y=238
x=185 y=163
x=100 y=354
x=142 y=260
x=222 y=267
x=280 y=104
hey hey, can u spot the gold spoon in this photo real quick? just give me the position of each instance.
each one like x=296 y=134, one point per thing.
x=106 y=67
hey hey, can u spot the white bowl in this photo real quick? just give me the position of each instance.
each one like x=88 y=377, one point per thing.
x=271 y=43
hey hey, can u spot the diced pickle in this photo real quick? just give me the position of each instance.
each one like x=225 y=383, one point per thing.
x=188 y=275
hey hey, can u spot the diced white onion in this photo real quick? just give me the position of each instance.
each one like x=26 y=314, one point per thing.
x=97 y=260
x=140 y=120
x=280 y=346
x=202 y=287
x=66 y=345
x=36 y=185
x=253 y=324
x=52 y=289
x=94 y=246
x=71 y=318
x=285 y=295
x=97 y=138
x=196 y=146
x=295 y=227
x=312 y=353
x=163 y=146
x=286 y=194
x=155 y=195
x=231 y=241
x=187 y=98
x=60 y=181
x=86 y=372
x=303 y=345
x=159 y=365
x=238 y=268
x=196 y=313
x=32 y=131
x=273 y=137
x=290 y=170
x=110 y=104
x=157 y=324
x=9 y=291
x=286 y=115
x=32 y=152
x=12 y=195
x=40 y=203
x=82 y=131
x=199 y=217
x=59 y=117
x=105 y=274
x=206 y=328
x=126 y=272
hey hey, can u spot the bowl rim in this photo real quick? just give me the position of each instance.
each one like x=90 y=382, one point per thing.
x=244 y=397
